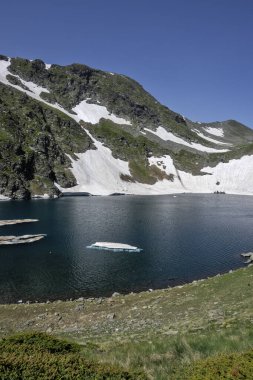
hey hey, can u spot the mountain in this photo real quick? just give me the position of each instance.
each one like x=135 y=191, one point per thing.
x=77 y=129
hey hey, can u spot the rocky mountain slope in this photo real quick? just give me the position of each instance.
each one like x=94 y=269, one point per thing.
x=77 y=129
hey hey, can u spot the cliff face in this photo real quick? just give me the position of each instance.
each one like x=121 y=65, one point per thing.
x=75 y=128
x=34 y=140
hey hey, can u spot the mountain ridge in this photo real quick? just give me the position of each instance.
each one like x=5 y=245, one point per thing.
x=86 y=130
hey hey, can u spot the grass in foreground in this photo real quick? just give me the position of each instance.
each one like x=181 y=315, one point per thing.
x=164 y=333
x=211 y=356
x=173 y=357
x=40 y=356
x=226 y=366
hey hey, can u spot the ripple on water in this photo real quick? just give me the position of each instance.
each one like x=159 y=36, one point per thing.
x=183 y=238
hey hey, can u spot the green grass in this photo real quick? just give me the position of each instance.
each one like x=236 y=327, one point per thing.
x=39 y=356
x=47 y=134
x=5 y=137
x=120 y=94
x=134 y=149
x=142 y=172
x=40 y=185
x=192 y=356
x=34 y=140
x=168 y=357
x=137 y=148
x=225 y=366
x=161 y=333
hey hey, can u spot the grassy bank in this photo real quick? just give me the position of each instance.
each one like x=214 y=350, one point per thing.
x=161 y=332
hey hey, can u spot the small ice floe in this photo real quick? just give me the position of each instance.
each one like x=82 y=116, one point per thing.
x=16 y=221
x=117 y=247
x=8 y=240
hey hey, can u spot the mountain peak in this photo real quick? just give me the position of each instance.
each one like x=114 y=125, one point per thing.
x=75 y=128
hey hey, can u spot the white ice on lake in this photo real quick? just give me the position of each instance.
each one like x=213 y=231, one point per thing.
x=114 y=246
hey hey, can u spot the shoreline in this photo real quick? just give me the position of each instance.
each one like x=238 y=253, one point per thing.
x=116 y=294
x=87 y=195
x=215 y=302
x=145 y=330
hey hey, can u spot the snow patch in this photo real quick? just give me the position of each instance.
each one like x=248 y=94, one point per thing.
x=4 y=198
x=164 y=163
x=97 y=171
x=48 y=65
x=92 y=113
x=4 y=70
x=233 y=177
x=44 y=196
x=215 y=131
x=168 y=136
x=209 y=138
x=35 y=90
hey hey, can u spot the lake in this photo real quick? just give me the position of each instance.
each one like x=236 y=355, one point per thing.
x=183 y=237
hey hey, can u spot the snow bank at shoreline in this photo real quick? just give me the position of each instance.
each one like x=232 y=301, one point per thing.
x=99 y=173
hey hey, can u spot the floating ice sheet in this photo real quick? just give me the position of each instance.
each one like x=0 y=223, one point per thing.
x=117 y=247
x=16 y=221
x=10 y=240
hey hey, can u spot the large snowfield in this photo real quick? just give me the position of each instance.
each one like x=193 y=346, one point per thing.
x=98 y=172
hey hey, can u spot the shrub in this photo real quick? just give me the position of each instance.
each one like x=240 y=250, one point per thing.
x=40 y=356
x=235 y=366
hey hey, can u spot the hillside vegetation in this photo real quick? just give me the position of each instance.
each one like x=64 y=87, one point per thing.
x=166 y=334
x=34 y=140
x=45 y=110
x=39 y=356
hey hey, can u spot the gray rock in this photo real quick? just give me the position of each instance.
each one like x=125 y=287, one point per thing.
x=79 y=307
x=111 y=316
x=115 y=294
x=81 y=299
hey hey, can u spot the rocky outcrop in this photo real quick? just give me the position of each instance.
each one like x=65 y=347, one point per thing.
x=44 y=129
x=34 y=141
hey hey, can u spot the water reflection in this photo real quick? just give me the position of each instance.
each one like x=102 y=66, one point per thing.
x=183 y=238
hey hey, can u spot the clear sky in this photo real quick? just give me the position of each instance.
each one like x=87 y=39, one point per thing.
x=195 y=56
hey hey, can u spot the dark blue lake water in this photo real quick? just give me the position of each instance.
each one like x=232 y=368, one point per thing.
x=183 y=238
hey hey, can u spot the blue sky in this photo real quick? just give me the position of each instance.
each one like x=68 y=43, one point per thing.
x=195 y=56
